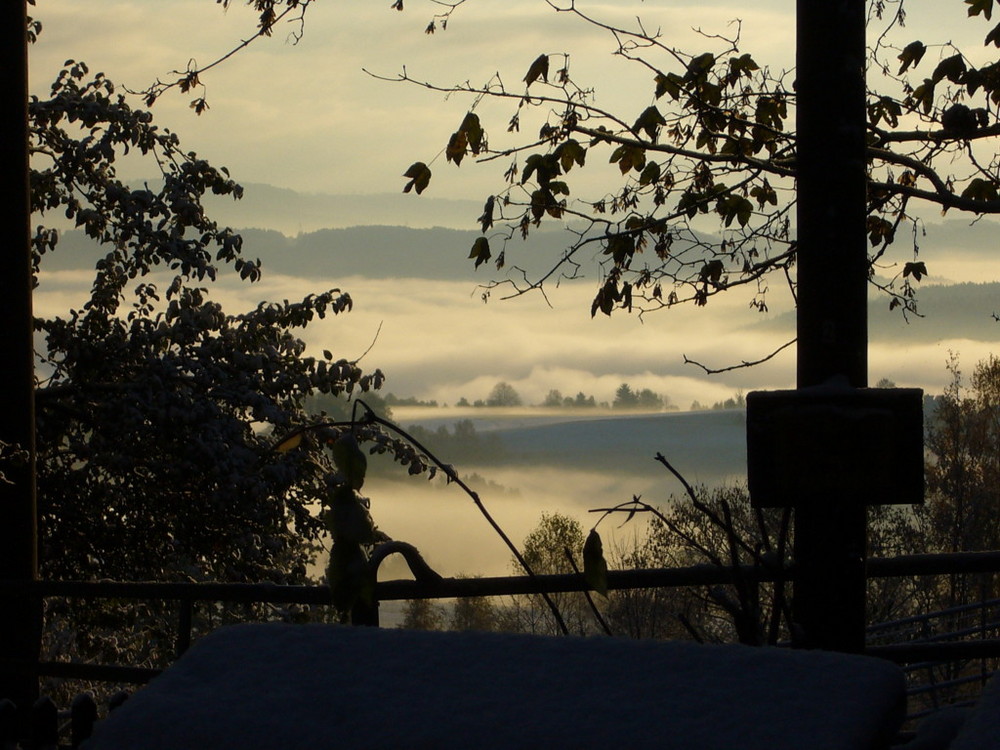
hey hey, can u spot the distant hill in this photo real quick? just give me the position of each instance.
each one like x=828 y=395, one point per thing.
x=292 y=212
x=707 y=446
x=371 y=251
x=350 y=244
x=947 y=311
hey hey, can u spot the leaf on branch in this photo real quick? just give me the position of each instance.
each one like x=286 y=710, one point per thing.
x=671 y=83
x=993 y=37
x=458 y=144
x=480 y=251
x=699 y=66
x=879 y=230
x=189 y=81
x=951 y=68
x=885 y=108
x=469 y=137
x=621 y=247
x=289 y=443
x=735 y=207
x=712 y=272
x=486 y=220
x=916 y=269
x=764 y=194
x=923 y=96
x=740 y=66
x=980 y=6
x=628 y=157
x=539 y=69
x=650 y=174
x=543 y=166
x=595 y=567
x=605 y=299
x=350 y=460
x=980 y=190
x=474 y=133
x=650 y=122
x=420 y=177
x=570 y=152
x=911 y=55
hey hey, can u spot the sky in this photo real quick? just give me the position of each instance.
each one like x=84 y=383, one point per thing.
x=307 y=117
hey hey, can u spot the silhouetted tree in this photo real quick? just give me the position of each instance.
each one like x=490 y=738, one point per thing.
x=158 y=411
x=625 y=398
x=422 y=614
x=553 y=398
x=503 y=394
x=545 y=548
x=963 y=472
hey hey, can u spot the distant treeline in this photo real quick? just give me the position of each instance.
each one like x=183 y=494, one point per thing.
x=626 y=399
x=460 y=445
x=736 y=402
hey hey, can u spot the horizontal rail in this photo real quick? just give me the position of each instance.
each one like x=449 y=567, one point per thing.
x=695 y=575
x=395 y=590
x=938 y=563
x=915 y=619
x=81 y=671
x=907 y=653
x=946 y=684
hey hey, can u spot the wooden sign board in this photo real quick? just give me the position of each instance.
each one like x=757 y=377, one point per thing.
x=840 y=444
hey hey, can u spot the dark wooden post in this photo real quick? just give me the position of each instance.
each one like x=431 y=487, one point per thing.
x=829 y=598
x=19 y=616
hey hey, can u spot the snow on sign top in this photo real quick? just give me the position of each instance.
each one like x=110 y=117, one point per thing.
x=318 y=686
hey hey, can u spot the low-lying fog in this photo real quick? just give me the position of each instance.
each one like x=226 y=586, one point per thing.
x=549 y=465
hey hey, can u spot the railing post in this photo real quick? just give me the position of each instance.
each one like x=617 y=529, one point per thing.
x=184 y=620
x=9 y=729
x=365 y=614
x=83 y=715
x=44 y=724
x=20 y=622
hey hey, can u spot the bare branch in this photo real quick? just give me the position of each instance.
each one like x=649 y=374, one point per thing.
x=743 y=364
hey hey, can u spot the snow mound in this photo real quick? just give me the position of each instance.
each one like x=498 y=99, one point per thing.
x=981 y=731
x=311 y=686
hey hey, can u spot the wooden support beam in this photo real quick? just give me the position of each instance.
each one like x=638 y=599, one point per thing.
x=832 y=266
x=19 y=609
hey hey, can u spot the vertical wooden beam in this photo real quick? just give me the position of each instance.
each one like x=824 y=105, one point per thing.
x=829 y=598
x=19 y=615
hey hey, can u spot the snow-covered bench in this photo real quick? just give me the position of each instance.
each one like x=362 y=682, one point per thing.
x=317 y=686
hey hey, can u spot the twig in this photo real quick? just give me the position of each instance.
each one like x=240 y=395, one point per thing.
x=590 y=600
x=371 y=345
x=452 y=475
x=780 y=604
x=743 y=364
x=371 y=417
x=690 y=628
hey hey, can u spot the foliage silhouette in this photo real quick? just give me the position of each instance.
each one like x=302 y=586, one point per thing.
x=714 y=141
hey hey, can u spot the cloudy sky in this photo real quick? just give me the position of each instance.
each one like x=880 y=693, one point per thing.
x=307 y=117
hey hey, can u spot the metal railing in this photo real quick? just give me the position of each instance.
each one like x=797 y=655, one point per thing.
x=189 y=595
